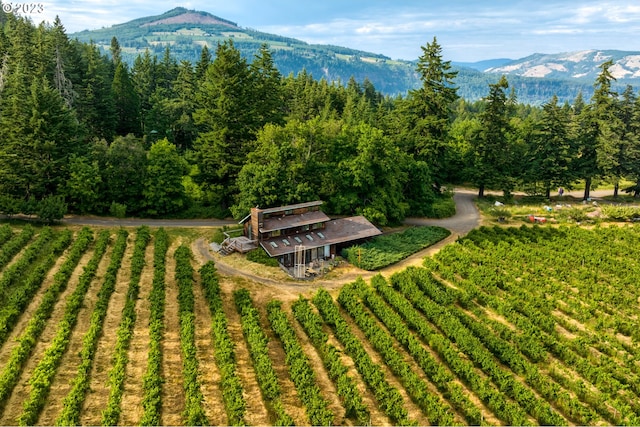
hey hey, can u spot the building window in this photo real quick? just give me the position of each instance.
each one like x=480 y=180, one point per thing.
x=305 y=227
x=275 y=233
x=317 y=225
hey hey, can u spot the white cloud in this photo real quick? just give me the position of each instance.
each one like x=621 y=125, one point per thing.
x=465 y=29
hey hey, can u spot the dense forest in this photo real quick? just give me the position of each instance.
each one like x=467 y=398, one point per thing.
x=84 y=132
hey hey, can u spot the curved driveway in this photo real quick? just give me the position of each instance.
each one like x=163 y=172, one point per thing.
x=466 y=218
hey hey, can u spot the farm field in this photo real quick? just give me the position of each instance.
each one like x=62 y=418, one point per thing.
x=508 y=326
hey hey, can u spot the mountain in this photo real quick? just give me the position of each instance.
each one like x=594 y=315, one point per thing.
x=535 y=78
x=483 y=65
x=187 y=31
x=582 y=65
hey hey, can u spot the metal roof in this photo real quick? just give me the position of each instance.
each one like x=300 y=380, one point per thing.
x=290 y=221
x=291 y=207
x=336 y=231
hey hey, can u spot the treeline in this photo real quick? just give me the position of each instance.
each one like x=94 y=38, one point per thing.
x=90 y=134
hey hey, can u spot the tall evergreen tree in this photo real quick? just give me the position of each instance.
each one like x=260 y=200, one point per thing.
x=631 y=119
x=144 y=75
x=427 y=111
x=550 y=151
x=178 y=109
x=585 y=164
x=126 y=101
x=116 y=51
x=606 y=116
x=38 y=133
x=95 y=104
x=492 y=157
x=227 y=121
x=64 y=62
x=203 y=63
x=267 y=84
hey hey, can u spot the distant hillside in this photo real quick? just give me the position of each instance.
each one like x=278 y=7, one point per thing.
x=536 y=78
x=186 y=31
x=483 y=65
x=582 y=65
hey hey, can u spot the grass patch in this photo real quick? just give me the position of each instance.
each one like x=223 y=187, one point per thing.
x=261 y=257
x=391 y=248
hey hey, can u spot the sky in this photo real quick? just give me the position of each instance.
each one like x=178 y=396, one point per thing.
x=467 y=30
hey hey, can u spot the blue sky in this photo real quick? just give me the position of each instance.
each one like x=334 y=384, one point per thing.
x=467 y=30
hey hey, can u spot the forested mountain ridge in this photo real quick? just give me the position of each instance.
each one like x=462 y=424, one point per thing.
x=186 y=31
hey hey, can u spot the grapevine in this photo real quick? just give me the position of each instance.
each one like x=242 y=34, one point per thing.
x=111 y=414
x=346 y=387
x=72 y=403
x=152 y=379
x=194 y=412
x=44 y=372
x=299 y=368
x=257 y=342
x=29 y=338
x=224 y=347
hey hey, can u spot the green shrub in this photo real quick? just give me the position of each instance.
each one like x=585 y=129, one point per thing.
x=621 y=213
x=118 y=210
x=500 y=213
x=51 y=208
x=573 y=214
x=261 y=257
x=389 y=249
x=442 y=207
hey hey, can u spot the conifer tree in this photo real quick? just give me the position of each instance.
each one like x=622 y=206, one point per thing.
x=179 y=109
x=426 y=114
x=492 y=159
x=144 y=73
x=605 y=113
x=126 y=101
x=550 y=152
x=267 y=84
x=95 y=104
x=203 y=63
x=227 y=121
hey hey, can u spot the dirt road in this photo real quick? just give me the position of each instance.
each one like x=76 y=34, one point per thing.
x=136 y=222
